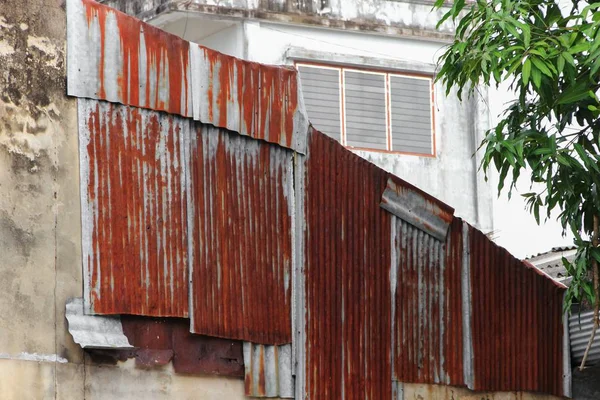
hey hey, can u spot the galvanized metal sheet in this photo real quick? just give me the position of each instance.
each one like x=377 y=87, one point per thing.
x=94 y=331
x=133 y=210
x=268 y=371
x=114 y=57
x=417 y=208
x=580 y=329
x=261 y=101
x=428 y=306
x=516 y=322
x=347 y=275
x=240 y=218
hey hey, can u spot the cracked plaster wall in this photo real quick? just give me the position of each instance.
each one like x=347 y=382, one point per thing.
x=40 y=229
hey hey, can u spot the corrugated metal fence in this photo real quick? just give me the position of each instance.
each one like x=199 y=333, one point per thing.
x=187 y=218
x=240 y=206
x=347 y=268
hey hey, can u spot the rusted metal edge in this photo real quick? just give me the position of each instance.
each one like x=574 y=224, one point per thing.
x=567 y=374
x=417 y=208
x=298 y=278
x=268 y=371
x=538 y=271
x=397 y=390
x=393 y=290
x=94 y=331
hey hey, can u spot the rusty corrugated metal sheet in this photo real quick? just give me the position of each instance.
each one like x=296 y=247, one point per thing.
x=261 y=101
x=516 y=322
x=191 y=354
x=133 y=210
x=268 y=371
x=347 y=275
x=416 y=207
x=114 y=57
x=241 y=236
x=428 y=305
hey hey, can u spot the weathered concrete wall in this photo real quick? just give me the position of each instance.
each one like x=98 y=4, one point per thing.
x=40 y=265
x=40 y=239
x=410 y=18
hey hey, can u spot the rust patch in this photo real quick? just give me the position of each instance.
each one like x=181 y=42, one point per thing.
x=163 y=57
x=242 y=237
x=517 y=323
x=348 y=250
x=160 y=340
x=137 y=255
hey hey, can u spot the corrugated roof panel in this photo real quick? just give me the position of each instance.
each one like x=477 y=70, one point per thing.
x=347 y=275
x=580 y=329
x=241 y=237
x=133 y=210
x=261 y=101
x=428 y=313
x=516 y=322
x=112 y=56
x=268 y=371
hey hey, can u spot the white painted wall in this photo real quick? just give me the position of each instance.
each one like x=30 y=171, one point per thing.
x=228 y=40
x=451 y=175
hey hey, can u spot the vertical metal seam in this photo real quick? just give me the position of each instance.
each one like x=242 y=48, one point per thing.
x=466 y=309
x=566 y=361
x=393 y=288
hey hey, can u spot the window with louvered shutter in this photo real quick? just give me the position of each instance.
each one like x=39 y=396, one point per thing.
x=410 y=109
x=365 y=110
x=321 y=91
x=370 y=110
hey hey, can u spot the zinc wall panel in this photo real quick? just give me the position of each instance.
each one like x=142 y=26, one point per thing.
x=516 y=322
x=347 y=275
x=256 y=100
x=133 y=210
x=428 y=314
x=241 y=237
x=115 y=57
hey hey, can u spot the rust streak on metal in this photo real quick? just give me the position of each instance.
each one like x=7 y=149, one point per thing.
x=252 y=99
x=137 y=255
x=348 y=248
x=242 y=239
x=517 y=322
x=149 y=68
